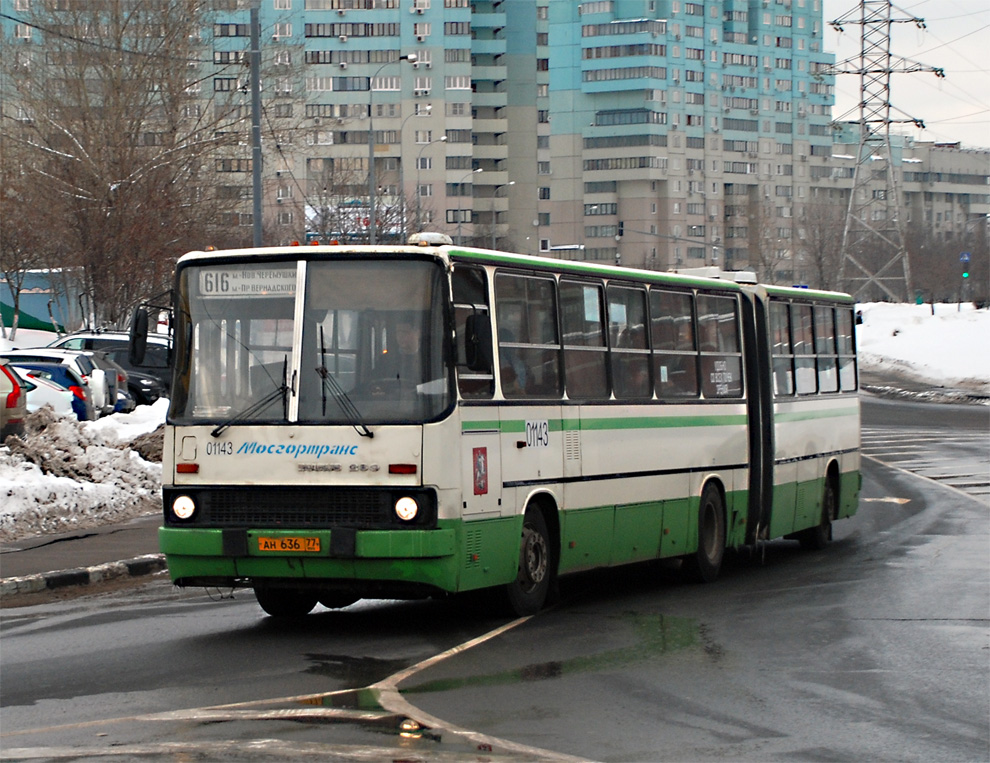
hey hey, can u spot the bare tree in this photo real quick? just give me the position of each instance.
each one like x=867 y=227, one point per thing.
x=936 y=265
x=768 y=252
x=337 y=202
x=820 y=223
x=112 y=130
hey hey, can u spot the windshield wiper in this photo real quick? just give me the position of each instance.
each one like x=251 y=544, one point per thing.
x=344 y=402
x=247 y=414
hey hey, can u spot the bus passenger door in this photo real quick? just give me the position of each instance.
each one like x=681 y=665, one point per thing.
x=481 y=460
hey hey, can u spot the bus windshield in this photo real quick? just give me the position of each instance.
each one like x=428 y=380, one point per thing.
x=371 y=348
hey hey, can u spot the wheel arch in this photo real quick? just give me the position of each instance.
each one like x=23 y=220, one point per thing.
x=546 y=503
x=716 y=480
x=832 y=476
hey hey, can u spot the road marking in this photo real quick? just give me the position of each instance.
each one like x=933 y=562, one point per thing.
x=889 y=499
x=923 y=477
x=386 y=691
x=960 y=461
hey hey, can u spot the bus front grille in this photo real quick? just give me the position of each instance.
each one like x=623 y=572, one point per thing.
x=284 y=507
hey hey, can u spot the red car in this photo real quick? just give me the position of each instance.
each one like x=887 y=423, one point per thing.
x=13 y=402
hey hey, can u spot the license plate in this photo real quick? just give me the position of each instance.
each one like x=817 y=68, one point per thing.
x=301 y=545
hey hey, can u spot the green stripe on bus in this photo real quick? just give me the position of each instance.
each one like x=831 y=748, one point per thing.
x=471 y=426
x=828 y=413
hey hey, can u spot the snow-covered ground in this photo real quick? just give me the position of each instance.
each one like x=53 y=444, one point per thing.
x=68 y=475
x=948 y=349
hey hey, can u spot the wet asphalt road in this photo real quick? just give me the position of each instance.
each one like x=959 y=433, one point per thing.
x=875 y=649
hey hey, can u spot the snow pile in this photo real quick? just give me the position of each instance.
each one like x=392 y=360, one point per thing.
x=67 y=475
x=948 y=349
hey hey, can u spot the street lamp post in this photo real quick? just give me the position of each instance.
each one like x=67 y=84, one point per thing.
x=419 y=156
x=402 y=188
x=494 y=196
x=460 y=212
x=372 y=183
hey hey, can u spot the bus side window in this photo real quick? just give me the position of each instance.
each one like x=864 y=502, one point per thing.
x=470 y=288
x=846 y=348
x=783 y=357
x=529 y=348
x=802 y=335
x=583 y=330
x=721 y=358
x=675 y=353
x=630 y=354
x=828 y=380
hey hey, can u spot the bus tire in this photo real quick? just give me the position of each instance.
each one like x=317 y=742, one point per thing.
x=817 y=538
x=528 y=592
x=704 y=564
x=285 y=602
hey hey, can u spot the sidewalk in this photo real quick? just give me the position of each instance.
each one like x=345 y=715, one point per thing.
x=128 y=549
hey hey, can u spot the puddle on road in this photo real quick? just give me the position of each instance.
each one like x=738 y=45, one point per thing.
x=352 y=671
x=657 y=635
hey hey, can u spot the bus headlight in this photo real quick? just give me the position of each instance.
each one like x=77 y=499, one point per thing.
x=183 y=507
x=406 y=509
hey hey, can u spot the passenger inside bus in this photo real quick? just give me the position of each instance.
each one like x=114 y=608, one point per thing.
x=402 y=359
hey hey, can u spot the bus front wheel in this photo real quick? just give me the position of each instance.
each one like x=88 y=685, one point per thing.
x=704 y=564
x=285 y=602
x=528 y=592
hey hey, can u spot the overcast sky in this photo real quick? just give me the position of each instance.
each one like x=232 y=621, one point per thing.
x=957 y=39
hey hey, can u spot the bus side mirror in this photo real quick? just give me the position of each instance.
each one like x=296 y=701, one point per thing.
x=478 y=343
x=137 y=340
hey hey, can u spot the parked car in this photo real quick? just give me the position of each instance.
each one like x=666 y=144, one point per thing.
x=64 y=376
x=43 y=392
x=114 y=343
x=143 y=388
x=13 y=402
x=125 y=401
x=114 y=377
x=94 y=378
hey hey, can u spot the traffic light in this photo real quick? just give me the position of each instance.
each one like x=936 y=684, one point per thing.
x=622 y=226
x=966 y=273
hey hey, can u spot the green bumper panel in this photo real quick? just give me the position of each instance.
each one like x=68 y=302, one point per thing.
x=420 y=556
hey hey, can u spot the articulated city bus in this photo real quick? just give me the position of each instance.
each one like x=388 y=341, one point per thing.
x=409 y=421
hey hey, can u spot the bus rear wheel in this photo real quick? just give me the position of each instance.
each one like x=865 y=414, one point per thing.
x=704 y=564
x=817 y=538
x=528 y=592
x=285 y=602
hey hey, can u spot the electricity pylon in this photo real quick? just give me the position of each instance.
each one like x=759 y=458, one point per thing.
x=873 y=251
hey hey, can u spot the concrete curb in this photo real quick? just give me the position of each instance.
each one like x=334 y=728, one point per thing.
x=47 y=581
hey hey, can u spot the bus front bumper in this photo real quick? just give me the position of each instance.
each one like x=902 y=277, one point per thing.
x=224 y=556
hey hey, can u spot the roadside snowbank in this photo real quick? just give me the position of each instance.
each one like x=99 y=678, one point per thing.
x=948 y=349
x=66 y=475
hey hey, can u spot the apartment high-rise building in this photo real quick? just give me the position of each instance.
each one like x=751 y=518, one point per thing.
x=649 y=133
